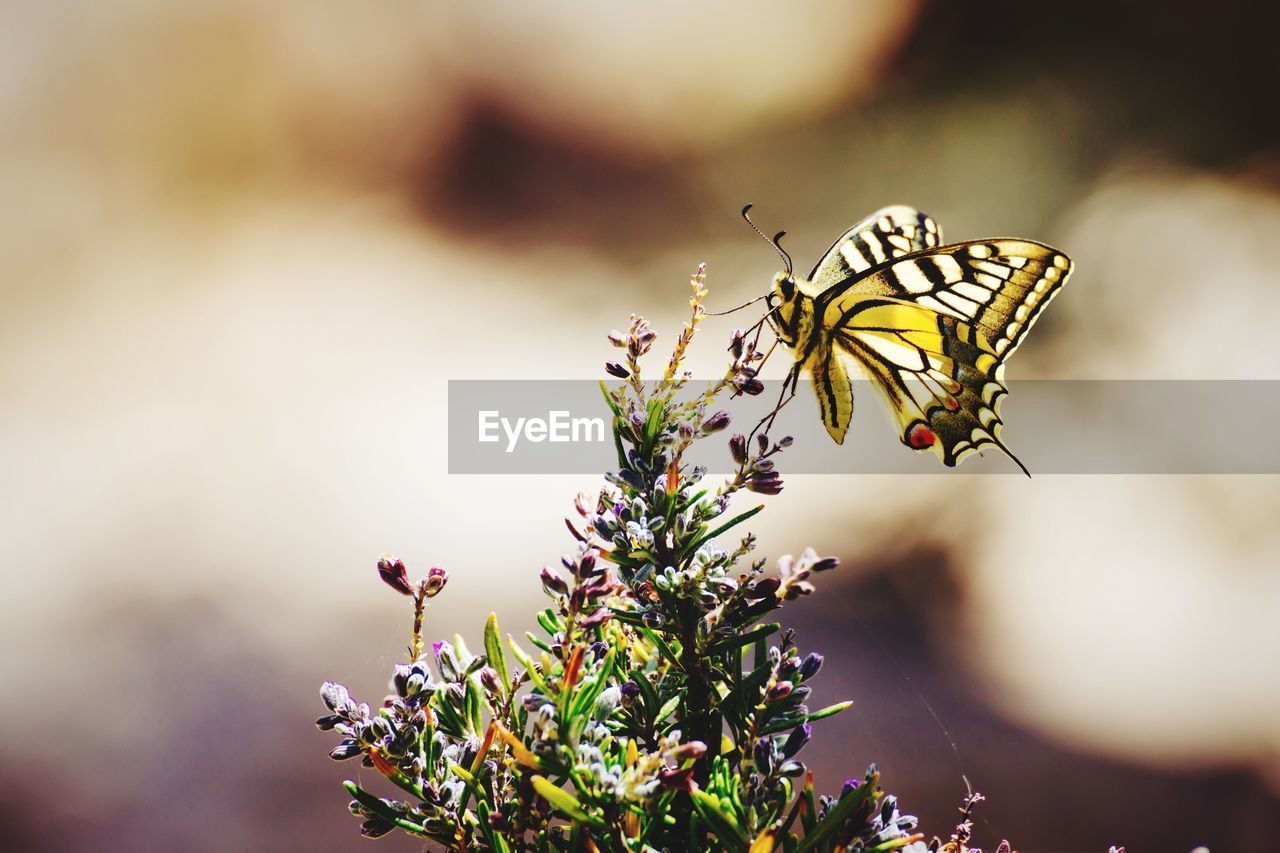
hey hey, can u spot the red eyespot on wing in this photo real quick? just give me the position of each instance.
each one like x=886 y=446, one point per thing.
x=920 y=437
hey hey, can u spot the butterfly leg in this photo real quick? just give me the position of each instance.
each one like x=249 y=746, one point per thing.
x=789 y=387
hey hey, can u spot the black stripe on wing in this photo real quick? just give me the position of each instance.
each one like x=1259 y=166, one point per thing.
x=999 y=287
x=943 y=385
x=889 y=233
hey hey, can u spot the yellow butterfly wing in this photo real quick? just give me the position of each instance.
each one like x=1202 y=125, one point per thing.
x=934 y=330
x=834 y=390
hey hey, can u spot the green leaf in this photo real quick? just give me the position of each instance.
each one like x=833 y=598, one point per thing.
x=830 y=711
x=550 y=622
x=496 y=839
x=527 y=663
x=839 y=813
x=627 y=617
x=666 y=650
x=462 y=773
x=450 y=721
x=585 y=701
x=693 y=499
x=752 y=612
x=660 y=816
x=474 y=703
x=646 y=690
x=737 y=641
x=736 y=520
x=608 y=400
x=493 y=651
x=380 y=807
x=668 y=708
x=746 y=694
x=721 y=821
x=654 y=422
x=564 y=802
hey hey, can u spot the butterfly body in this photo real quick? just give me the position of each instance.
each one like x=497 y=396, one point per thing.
x=930 y=324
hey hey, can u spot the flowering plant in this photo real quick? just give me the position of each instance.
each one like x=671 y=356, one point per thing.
x=659 y=709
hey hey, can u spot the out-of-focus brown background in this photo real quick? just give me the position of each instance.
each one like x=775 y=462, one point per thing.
x=245 y=245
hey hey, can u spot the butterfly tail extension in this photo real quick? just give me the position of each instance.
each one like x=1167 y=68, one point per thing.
x=964 y=413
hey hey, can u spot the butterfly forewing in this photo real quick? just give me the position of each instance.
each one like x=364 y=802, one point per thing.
x=889 y=233
x=999 y=287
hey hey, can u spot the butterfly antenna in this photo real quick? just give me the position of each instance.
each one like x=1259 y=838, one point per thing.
x=739 y=308
x=777 y=244
x=774 y=242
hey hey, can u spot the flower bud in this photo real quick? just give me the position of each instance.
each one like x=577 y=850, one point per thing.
x=826 y=564
x=327 y=723
x=607 y=702
x=715 y=423
x=768 y=483
x=349 y=748
x=764 y=755
x=738 y=448
x=778 y=692
x=430 y=586
x=393 y=573
x=677 y=780
x=618 y=339
x=685 y=751
x=764 y=588
x=796 y=740
x=614 y=369
x=809 y=668
x=337 y=699
x=597 y=617
x=553 y=583
x=376 y=827
x=490 y=681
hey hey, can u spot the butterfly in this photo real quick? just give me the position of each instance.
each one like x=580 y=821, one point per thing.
x=931 y=325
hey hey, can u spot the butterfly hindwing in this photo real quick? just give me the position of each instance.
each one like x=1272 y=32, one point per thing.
x=942 y=383
x=889 y=233
x=835 y=392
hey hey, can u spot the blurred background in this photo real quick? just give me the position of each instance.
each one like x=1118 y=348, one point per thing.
x=245 y=245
